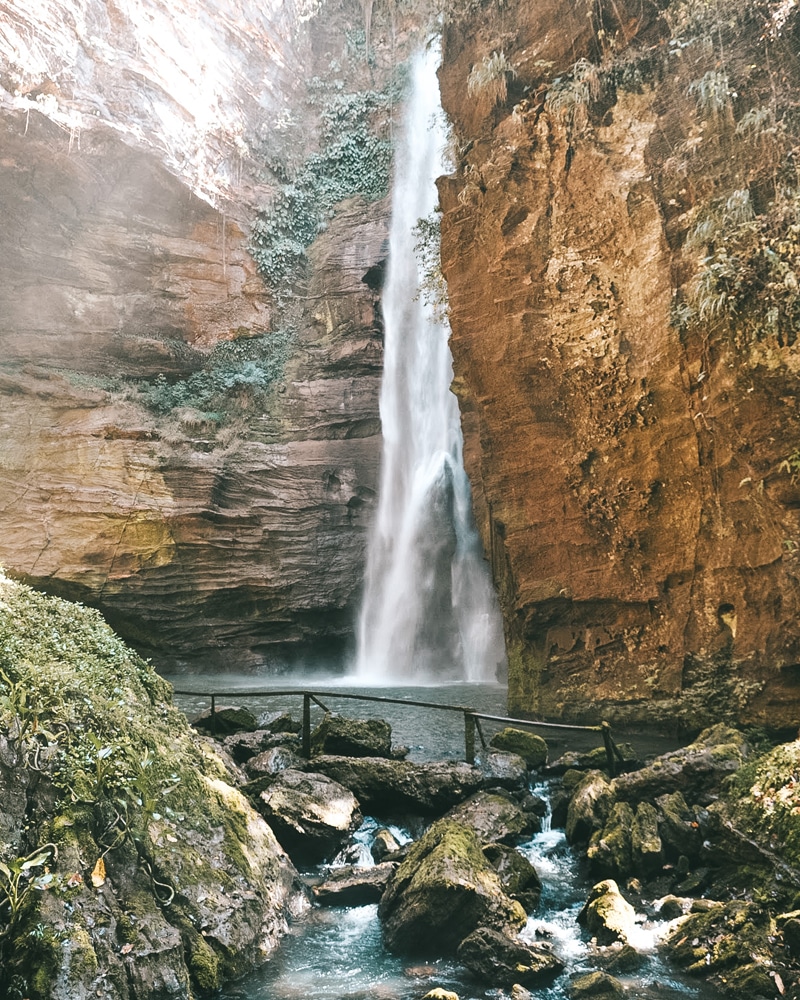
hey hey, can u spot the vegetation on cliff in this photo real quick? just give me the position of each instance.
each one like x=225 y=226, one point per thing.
x=127 y=863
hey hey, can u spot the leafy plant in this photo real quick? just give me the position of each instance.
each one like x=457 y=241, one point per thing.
x=570 y=98
x=251 y=364
x=18 y=879
x=354 y=159
x=427 y=248
x=488 y=79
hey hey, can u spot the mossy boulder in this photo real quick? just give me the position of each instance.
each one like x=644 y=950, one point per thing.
x=504 y=770
x=647 y=853
x=497 y=958
x=495 y=817
x=697 y=770
x=596 y=986
x=353 y=885
x=732 y=944
x=609 y=850
x=121 y=778
x=518 y=877
x=338 y=735
x=588 y=808
x=444 y=889
x=607 y=915
x=529 y=746
x=387 y=787
x=225 y=720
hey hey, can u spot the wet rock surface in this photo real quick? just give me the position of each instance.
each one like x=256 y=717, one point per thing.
x=337 y=735
x=444 y=890
x=497 y=958
x=388 y=787
x=354 y=886
x=311 y=814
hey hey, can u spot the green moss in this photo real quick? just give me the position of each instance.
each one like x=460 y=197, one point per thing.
x=204 y=965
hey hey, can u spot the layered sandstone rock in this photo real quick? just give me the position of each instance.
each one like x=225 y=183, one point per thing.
x=133 y=149
x=626 y=461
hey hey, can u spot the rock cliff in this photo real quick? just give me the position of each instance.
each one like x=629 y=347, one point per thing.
x=620 y=241
x=185 y=445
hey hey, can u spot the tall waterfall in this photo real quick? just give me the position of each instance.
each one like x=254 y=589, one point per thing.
x=429 y=610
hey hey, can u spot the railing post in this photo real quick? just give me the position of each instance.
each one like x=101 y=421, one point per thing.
x=307 y=726
x=213 y=715
x=605 y=728
x=469 y=737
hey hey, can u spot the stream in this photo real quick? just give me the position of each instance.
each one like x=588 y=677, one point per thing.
x=337 y=953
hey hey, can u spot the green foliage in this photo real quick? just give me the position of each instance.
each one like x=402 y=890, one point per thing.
x=427 y=248
x=354 y=158
x=251 y=365
x=571 y=97
x=712 y=92
x=19 y=878
x=751 y=273
x=488 y=79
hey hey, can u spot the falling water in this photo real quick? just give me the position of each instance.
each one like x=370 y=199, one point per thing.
x=429 y=610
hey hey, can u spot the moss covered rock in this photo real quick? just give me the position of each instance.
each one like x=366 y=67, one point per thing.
x=130 y=823
x=444 y=889
x=589 y=806
x=337 y=734
x=610 y=849
x=607 y=915
x=529 y=746
x=732 y=944
x=495 y=817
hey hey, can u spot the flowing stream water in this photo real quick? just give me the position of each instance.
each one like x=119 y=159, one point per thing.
x=338 y=953
x=429 y=609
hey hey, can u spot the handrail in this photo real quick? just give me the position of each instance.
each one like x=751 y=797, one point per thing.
x=471 y=716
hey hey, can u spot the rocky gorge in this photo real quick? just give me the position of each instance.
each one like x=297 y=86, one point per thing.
x=145 y=859
x=192 y=266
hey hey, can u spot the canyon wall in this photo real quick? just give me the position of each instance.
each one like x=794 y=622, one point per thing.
x=620 y=243
x=187 y=446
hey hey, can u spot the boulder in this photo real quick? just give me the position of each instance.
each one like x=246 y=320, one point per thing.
x=504 y=770
x=596 y=759
x=588 y=808
x=677 y=826
x=311 y=815
x=647 y=853
x=439 y=994
x=353 y=886
x=597 y=986
x=520 y=993
x=495 y=817
x=279 y=722
x=697 y=771
x=497 y=958
x=444 y=890
x=244 y=746
x=519 y=878
x=225 y=720
x=731 y=943
x=529 y=746
x=388 y=787
x=383 y=843
x=338 y=735
x=271 y=762
x=609 y=850
x=607 y=915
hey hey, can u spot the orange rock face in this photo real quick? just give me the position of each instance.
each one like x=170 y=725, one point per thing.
x=626 y=468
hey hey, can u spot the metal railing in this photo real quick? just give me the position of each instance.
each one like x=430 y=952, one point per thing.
x=472 y=718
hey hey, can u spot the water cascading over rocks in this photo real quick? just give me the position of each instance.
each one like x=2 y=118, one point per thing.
x=429 y=610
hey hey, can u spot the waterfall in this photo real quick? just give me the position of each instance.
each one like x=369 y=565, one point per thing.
x=429 y=610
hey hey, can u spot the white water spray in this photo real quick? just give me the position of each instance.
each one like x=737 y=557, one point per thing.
x=429 y=610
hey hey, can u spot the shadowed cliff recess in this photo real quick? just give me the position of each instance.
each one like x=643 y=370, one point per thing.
x=620 y=242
